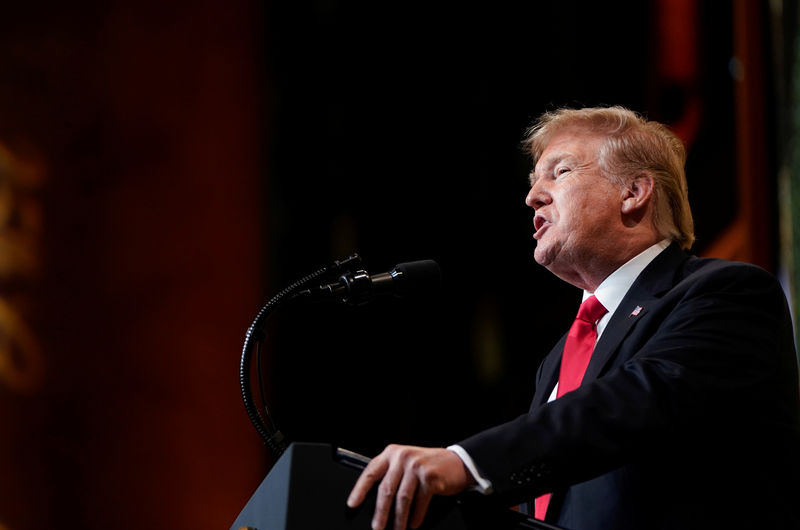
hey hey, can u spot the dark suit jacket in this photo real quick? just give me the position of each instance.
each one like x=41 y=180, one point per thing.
x=688 y=415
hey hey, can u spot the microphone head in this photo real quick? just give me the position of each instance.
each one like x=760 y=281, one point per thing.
x=416 y=278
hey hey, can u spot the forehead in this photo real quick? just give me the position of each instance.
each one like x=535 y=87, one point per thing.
x=570 y=143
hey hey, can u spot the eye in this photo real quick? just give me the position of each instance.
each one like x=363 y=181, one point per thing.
x=560 y=170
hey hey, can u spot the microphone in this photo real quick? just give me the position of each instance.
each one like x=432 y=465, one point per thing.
x=404 y=280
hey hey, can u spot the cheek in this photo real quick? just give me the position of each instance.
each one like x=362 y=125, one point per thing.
x=573 y=212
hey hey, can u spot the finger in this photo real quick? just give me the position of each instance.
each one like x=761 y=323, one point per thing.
x=403 y=500
x=385 y=499
x=420 y=508
x=371 y=474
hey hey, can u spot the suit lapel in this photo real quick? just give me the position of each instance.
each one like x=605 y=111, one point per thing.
x=617 y=329
x=549 y=374
x=654 y=280
x=633 y=307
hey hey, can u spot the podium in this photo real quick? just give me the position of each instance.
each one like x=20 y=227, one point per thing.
x=308 y=486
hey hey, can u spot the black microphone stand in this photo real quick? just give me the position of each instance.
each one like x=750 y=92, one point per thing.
x=262 y=421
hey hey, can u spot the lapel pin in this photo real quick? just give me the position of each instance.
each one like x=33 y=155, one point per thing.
x=636 y=311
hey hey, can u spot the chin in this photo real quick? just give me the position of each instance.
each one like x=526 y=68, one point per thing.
x=552 y=259
x=542 y=257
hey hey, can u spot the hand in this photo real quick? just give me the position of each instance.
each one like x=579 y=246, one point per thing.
x=409 y=475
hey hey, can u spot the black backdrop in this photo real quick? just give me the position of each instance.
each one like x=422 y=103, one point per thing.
x=394 y=131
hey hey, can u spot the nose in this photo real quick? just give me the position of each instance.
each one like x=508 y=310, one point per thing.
x=537 y=196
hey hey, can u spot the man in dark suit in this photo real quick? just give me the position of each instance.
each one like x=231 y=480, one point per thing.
x=675 y=404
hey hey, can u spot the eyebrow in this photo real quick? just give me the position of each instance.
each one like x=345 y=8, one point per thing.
x=548 y=163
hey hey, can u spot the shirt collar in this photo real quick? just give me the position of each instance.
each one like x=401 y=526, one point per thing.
x=613 y=289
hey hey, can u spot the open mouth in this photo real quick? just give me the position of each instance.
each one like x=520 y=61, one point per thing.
x=540 y=224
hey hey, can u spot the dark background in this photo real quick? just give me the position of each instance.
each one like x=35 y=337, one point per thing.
x=396 y=133
x=197 y=157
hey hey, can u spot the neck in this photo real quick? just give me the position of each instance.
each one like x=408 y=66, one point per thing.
x=604 y=261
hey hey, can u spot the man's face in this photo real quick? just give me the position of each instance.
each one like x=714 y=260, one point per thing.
x=577 y=208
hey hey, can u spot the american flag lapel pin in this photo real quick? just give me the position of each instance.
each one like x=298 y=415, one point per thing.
x=636 y=310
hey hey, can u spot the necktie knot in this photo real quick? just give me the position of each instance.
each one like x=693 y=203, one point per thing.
x=591 y=310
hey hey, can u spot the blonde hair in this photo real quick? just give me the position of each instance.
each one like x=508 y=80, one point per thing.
x=632 y=146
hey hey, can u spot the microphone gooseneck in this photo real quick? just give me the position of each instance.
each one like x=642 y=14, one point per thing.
x=353 y=287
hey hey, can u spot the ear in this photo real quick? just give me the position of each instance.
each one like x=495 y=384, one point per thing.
x=637 y=194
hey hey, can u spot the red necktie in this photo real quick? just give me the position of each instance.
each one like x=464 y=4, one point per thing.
x=577 y=352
